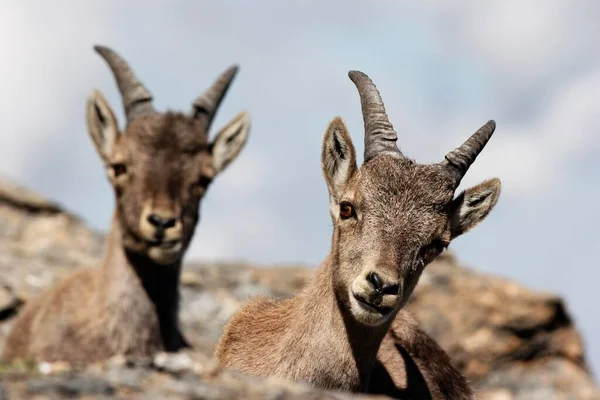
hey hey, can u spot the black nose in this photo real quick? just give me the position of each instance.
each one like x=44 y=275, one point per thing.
x=161 y=223
x=375 y=281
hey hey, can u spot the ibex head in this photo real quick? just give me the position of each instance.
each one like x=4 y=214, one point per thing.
x=162 y=163
x=393 y=216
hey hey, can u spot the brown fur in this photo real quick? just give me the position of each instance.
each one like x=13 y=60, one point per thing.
x=98 y=312
x=411 y=365
x=161 y=165
x=404 y=215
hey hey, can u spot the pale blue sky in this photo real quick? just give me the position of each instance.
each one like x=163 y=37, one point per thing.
x=443 y=67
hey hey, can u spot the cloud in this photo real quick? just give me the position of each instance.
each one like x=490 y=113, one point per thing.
x=524 y=41
x=534 y=158
x=254 y=233
x=43 y=77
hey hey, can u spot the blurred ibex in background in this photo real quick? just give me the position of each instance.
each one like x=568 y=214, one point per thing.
x=347 y=328
x=160 y=167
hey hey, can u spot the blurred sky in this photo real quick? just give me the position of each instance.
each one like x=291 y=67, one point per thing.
x=443 y=68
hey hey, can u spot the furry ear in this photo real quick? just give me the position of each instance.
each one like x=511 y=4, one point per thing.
x=102 y=125
x=338 y=158
x=473 y=205
x=230 y=141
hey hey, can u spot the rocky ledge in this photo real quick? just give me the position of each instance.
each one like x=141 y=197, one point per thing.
x=510 y=341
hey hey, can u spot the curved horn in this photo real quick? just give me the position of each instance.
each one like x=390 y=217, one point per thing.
x=207 y=103
x=460 y=159
x=136 y=98
x=380 y=136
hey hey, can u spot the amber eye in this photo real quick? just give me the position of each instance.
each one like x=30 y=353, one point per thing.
x=119 y=169
x=346 y=210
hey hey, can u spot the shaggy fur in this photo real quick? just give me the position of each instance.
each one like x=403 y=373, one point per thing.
x=403 y=216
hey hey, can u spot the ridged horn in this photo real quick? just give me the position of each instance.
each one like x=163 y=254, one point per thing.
x=460 y=159
x=380 y=136
x=207 y=104
x=136 y=98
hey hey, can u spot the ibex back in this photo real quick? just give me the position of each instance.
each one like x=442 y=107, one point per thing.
x=391 y=217
x=160 y=167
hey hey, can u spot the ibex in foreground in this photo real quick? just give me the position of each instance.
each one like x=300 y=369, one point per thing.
x=160 y=168
x=391 y=218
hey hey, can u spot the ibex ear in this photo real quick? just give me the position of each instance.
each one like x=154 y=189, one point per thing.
x=473 y=205
x=338 y=158
x=230 y=141
x=102 y=125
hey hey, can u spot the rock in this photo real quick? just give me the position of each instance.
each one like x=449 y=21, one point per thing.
x=70 y=386
x=133 y=380
x=511 y=342
x=177 y=363
x=39 y=242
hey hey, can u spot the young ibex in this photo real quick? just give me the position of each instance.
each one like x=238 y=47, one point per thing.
x=391 y=218
x=160 y=168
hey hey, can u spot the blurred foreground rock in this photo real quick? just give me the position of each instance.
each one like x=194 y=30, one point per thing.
x=511 y=342
x=165 y=376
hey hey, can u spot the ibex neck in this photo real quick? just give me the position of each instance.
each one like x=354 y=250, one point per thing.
x=355 y=346
x=136 y=285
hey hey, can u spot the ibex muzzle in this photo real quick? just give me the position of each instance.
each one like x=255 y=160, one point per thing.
x=375 y=294
x=163 y=229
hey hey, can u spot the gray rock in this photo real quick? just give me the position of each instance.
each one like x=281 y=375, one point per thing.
x=75 y=386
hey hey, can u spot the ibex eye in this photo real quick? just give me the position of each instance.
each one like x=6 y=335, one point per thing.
x=438 y=245
x=203 y=181
x=346 y=210
x=119 y=169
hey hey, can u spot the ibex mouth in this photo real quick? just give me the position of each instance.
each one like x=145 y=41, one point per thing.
x=380 y=309
x=165 y=252
x=165 y=244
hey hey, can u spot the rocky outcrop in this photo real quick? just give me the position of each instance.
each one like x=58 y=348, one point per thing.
x=511 y=342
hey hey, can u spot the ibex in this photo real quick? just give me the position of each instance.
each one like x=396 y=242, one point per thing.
x=391 y=217
x=160 y=167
